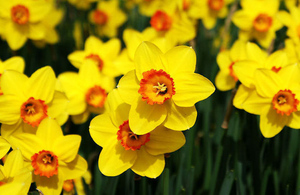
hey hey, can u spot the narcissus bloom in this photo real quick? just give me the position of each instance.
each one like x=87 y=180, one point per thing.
x=86 y=90
x=173 y=24
x=4 y=147
x=103 y=55
x=70 y=185
x=15 y=178
x=163 y=89
x=276 y=99
x=123 y=149
x=258 y=19
x=292 y=50
x=226 y=78
x=51 y=156
x=107 y=17
x=29 y=100
x=207 y=10
x=15 y=63
x=22 y=20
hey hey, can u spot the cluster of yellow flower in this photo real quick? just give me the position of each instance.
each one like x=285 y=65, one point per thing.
x=269 y=80
x=141 y=120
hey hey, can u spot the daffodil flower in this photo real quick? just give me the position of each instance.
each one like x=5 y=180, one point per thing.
x=103 y=55
x=51 y=156
x=123 y=149
x=22 y=20
x=163 y=89
x=276 y=99
x=258 y=19
x=29 y=100
x=86 y=90
x=107 y=17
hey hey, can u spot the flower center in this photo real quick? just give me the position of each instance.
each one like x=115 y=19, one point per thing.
x=68 y=185
x=129 y=140
x=262 y=23
x=186 y=4
x=96 y=59
x=284 y=102
x=215 y=4
x=20 y=14
x=156 y=87
x=33 y=111
x=96 y=96
x=100 y=17
x=231 y=72
x=45 y=163
x=161 y=21
x=276 y=69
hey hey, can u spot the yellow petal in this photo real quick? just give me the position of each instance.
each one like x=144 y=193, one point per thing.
x=163 y=141
x=148 y=165
x=110 y=49
x=209 y=21
x=267 y=82
x=238 y=51
x=92 y=44
x=132 y=39
x=255 y=104
x=14 y=63
x=27 y=143
x=181 y=59
x=51 y=186
x=4 y=147
x=272 y=123
x=48 y=131
x=36 y=31
x=241 y=95
x=9 y=109
x=245 y=72
x=295 y=120
x=224 y=60
x=128 y=87
x=180 y=118
x=41 y=84
x=76 y=58
x=13 y=163
x=58 y=105
x=285 y=18
x=23 y=178
x=148 y=56
x=74 y=169
x=144 y=118
x=38 y=10
x=255 y=53
x=13 y=188
x=114 y=159
x=15 y=36
x=66 y=147
x=191 y=88
x=224 y=82
x=102 y=129
x=12 y=83
x=276 y=59
x=242 y=20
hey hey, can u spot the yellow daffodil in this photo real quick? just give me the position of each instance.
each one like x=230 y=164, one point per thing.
x=22 y=20
x=245 y=69
x=258 y=20
x=276 y=99
x=86 y=90
x=15 y=178
x=27 y=101
x=107 y=17
x=123 y=149
x=148 y=8
x=290 y=3
x=173 y=24
x=51 y=156
x=14 y=63
x=103 y=55
x=163 y=89
x=226 y=78
x=50 y=21
x=206 y=10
